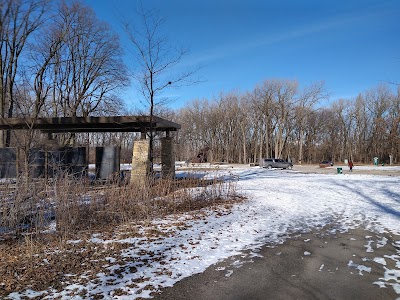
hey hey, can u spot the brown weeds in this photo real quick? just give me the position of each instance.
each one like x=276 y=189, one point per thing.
x=74 y=205
x=33 y=256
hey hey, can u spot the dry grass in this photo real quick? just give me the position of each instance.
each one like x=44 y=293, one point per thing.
x=77 y=205
x=31 y=256
x=41 y=262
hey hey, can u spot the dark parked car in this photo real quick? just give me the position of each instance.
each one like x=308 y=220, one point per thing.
x=326 y=163
x=270 y=163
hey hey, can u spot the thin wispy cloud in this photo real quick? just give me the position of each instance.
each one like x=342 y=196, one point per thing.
x=246 y=45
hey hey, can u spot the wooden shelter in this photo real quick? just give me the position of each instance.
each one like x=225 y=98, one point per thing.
x=143 y=124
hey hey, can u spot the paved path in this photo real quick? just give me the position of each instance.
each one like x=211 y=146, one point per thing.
x=308 y=266
x=357 y=169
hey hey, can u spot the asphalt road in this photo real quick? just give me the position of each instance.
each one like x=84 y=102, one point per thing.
x=307 y=266
x=357 y=169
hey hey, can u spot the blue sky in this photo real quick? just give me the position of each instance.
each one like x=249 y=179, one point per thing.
x=352 y=45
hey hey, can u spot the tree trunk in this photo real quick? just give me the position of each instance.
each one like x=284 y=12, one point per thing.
x=244 y=145
x=301 y=146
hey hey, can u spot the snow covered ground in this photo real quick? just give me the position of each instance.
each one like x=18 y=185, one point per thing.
x=279 y=203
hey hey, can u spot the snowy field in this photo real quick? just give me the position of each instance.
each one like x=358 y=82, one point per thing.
x=279 y=203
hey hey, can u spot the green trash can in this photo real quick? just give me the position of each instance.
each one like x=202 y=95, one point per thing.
x=339 y=170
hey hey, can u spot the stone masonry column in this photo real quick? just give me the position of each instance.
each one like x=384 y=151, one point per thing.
x=140 y=162
x=167 y=158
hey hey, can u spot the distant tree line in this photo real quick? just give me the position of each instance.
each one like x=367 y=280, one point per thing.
x=278 y=119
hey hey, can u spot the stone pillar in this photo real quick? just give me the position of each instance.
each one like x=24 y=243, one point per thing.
x=167 y=158
x=140 y=162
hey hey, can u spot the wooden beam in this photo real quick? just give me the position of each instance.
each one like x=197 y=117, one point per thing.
x=90 y=124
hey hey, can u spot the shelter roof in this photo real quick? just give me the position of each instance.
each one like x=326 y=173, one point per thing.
x=90 y=124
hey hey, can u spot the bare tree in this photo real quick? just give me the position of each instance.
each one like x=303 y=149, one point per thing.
x=394 y=131
x=285 y=92
x=263 y=101
x=310 y=96
x=360 y=137
x=377 y=105
x=194 y=134
x=157 y=61
x=18 y=20
x=87 y=69
x=77 y=66
x=244 y=125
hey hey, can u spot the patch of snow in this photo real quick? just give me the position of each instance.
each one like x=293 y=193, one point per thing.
x=51 y=228
x=74 y=241
x=392 y=275
x=380 y=260
x=381 y=284
x=369 y=247
x=377 y=168
x=360 y=268
x=364 y=259
x=393 y=257
x=229 y=273
x=381 y=243
x=390 y=278
x=255 y=254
